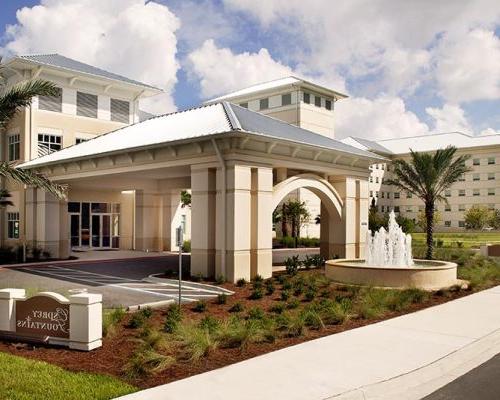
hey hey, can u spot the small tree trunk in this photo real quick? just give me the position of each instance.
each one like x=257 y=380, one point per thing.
x=284 y=229
x=429 y=216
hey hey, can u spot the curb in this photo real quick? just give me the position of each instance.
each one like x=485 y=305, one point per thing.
x=425 y=380
x=191 y=285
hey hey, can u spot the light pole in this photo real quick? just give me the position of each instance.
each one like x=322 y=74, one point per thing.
x=179 y=238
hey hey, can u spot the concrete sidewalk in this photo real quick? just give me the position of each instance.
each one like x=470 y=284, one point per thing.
x=402 y=358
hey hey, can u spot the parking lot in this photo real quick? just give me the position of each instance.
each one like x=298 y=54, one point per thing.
x=121 y=282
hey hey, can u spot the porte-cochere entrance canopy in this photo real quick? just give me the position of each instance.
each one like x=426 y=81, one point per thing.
x=239 y=165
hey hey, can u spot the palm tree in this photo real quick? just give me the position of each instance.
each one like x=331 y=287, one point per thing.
x=5 y=198
x=298 y=215
x=427 y=176
x=11 y=101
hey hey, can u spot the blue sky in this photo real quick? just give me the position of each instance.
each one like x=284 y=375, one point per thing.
x=409 y=68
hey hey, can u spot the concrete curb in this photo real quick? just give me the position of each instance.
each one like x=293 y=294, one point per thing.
x=192 y=285
x=425 y=380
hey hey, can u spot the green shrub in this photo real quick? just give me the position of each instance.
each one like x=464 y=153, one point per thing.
x=153 y=338
x=137 y=320
x=147 y=312
x=439 y=243
x=146 y=361
x=269 y=287
x=238 y=333
x=173 y=317
x=256 y=294
x=237 y=307
x=110 y=319
x=460 y=244
x=256 y=313
x=292 y=265
x=281 y=278
x=220 y=280
x=315 y=260
x=310 y=294
x=258 y=278
x=241 y=282
x=288 y=241
x=296 y=326
x=222 y=298
x=278 y=308
x=293 y=303
x=257 y=285
x=298 y=290
x=210 y=323
x=480 y=271
x=186 y=246
x=200 y=306
x=196 y=342
x=312 y=319
x=333 y=313
x=285 y=295
x=197 y=278
x=287 y=285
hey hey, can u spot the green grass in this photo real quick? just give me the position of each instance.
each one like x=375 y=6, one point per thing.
x=450 y=239
x=23 y=379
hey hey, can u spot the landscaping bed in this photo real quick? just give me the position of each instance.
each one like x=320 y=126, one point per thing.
x=153 y=347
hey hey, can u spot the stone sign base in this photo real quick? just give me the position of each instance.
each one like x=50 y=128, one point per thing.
x=75 y=322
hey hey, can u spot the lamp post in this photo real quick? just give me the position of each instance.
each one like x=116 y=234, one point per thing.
x=179 y=235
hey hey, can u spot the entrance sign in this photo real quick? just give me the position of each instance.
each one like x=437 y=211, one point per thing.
x=75 y=322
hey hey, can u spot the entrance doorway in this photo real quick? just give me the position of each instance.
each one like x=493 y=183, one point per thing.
x=94 y=225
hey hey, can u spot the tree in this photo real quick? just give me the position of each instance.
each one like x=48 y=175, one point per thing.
x=297 y=214
x=422 y=219
x=11 y=101
x=185 y=199
x=476 y=217
x=406 y=224
x=427 y=176
x=5 y=198
x=494 y=219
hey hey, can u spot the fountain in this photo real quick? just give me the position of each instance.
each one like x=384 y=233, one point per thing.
x=389 y=263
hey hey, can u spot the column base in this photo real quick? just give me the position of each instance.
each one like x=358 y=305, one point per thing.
x=203 y=263
x=237 y=265
x=261 y=263
x=332 y=250
x=85 y=346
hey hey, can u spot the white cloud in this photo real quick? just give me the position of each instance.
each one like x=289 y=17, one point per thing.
x=134 y=38
x=220 y=70
x=449 y=118
x=383 y=118
x=469 y=68
x=489 y=131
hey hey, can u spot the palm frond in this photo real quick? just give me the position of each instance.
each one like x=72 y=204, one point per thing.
x=30 y=178
x=19 y=96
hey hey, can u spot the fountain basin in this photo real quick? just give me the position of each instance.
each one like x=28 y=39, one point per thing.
x=427 y=275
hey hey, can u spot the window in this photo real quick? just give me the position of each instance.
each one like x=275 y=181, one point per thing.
x=383 y=208
x=461 y=207
x=382 y=194
x=86 y=105
x=409 y=209
x=475 y=177
x=382 y=179
x=491 y=191
x=371 y=193
x=51 y=103
x=476 y=161
x=396 y=209
x=244 y=105
x=264 y=104
x=376 y=179
x=286 y=99
x=383 y=167
x=491 y=207
x=48 y=144
x=409 y=195
x=388 y=195
x=461 y=224
x=371 y=179
x=13 y=225
x=376 y=194
x=14 y=147
x=317 y=101
x=376 y=166
x=328 y=104
x=491 y=160
x=120 y=111
x=461 y=192
x=396 y=195
x=447 y=207
x=80 y=140
x=476 y=192
x=461 y=178
x=307 y=98
x=447 y=223
x=447 y=193
x=491 y=176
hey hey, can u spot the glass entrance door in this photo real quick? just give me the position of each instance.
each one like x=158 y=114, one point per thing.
x=74 y=229
x=101 y=230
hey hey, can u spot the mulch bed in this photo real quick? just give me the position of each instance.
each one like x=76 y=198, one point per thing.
x=116 y=350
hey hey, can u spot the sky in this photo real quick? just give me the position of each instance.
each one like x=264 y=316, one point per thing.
x=410 y=67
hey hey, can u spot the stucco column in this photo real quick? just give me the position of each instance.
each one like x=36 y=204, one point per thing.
x=261 y=226
x=52 y=224
x=170 y=206
x=362 y=203
x=233 y=238
x=147 y=220
x=203 y=222
x=30 y=218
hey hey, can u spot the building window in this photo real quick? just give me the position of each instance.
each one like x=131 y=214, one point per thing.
x=491 y=207
x=286 y=99
x=317 y=101
x=51 y=103
x=328 y=104
x=307 y=98
x=475 y=177
x=80 y=140
x=244 y=105
x=371 y=193
x=491 y=160
x=461 y=224
x=48 y=144
x=491 y=191
x=376 y=179
x=376 y=195
x=371 y=179
x=461 y=207
x=461 y=192
x=476 y=161
x=86 y=105
x=383 y=208
x=376 y=166
x=476 y=192
x=383 y=167
x=491 y=176
x=396 y=195
x=447 y=223
x=120 y=111
x=264 y=104
x=14 y=147
x=388 y=195
x=396 y=209
x=447 y=193
x=409 y=209
x=447 y=207
x=382 y=194
x=461 y=178
x=13 y=225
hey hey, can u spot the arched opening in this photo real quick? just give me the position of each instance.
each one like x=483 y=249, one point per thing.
x=330 y=216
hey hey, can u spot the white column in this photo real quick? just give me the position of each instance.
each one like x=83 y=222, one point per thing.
x=8 y=299
x=147 y=221
x=85 y=325
x=261 y=226
x=203 y=211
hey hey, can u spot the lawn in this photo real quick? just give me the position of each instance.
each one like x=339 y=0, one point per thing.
x=24 y=379
x=458 y=239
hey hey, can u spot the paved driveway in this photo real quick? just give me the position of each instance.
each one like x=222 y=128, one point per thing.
x=121 y=282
